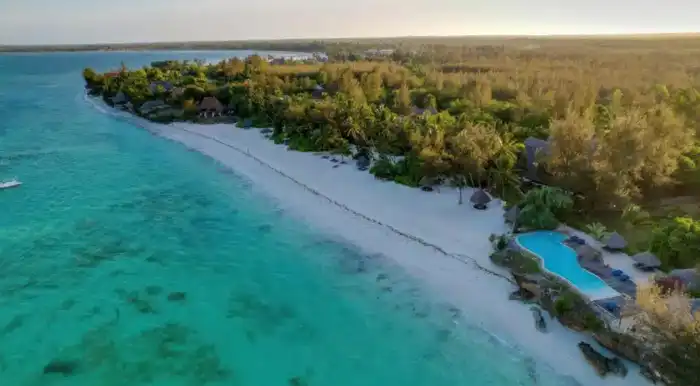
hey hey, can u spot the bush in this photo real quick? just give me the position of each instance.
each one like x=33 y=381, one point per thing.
x=542 y=208
x=677 y=243
x=384 y=169
x=565 y=304
x=278 y=138
x=499 y=242
x=405 y=180
x=592 y=323
x=300 y=143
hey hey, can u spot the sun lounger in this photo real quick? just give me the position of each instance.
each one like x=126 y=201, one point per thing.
x=644 y=267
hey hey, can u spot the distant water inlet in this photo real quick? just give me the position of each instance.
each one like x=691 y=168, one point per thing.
x=562 y=261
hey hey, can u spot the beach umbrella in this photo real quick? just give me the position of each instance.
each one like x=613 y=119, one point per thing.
x=616 y=242
x=480 y=198
x=647 y=259
x=587 y=253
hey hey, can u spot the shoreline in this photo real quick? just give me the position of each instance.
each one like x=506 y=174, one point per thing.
x=416 y=230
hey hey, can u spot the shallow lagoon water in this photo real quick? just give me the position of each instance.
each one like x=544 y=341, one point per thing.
x=127 y=259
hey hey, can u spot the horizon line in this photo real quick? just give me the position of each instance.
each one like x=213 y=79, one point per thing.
x=689 y=34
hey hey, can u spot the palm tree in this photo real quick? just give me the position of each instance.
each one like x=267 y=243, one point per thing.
x=509 y=150
x=597 y=230
x=503 y=179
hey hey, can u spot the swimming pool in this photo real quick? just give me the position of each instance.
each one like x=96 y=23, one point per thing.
x=561 y=260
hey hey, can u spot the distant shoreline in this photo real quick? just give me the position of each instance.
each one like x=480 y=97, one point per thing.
x=319 y=44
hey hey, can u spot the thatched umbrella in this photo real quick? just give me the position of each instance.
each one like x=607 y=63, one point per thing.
x=587 y=253
x=480 y=199
x=615 y=242
x=647 y=260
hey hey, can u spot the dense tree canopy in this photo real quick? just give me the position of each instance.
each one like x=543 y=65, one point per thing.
x=677 y=243
x=621 y=124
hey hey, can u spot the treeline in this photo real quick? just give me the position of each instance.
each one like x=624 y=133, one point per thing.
x=621 y=131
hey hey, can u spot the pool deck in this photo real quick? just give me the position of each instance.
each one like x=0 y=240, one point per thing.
x=615 y=260
x=603 y=268
x=606 y=292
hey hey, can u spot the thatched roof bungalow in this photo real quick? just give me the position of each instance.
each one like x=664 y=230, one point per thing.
x=210 y=106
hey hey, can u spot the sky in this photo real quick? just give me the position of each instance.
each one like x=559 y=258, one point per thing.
x=125 y=21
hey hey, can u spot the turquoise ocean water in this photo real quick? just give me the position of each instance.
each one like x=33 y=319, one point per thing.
x=127 y=260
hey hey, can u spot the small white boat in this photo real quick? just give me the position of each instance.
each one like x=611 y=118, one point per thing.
x=13 y=183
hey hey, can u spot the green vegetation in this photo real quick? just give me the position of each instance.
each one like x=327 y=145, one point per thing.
x=573 y=311
x=621 y=120
x=597 y=230
x=515 y=261
x=677 y=243
x=621 y=117
x=668 y=326
x=544 y=208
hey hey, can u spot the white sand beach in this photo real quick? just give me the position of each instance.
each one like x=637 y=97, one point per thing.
x=443 y=244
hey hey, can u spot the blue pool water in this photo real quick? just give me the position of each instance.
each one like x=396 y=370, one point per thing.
x=562 y=261
x=138 y=262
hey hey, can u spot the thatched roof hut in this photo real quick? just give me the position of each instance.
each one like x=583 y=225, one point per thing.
x=615 y=242
x=211 y=104
x=480 y=198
